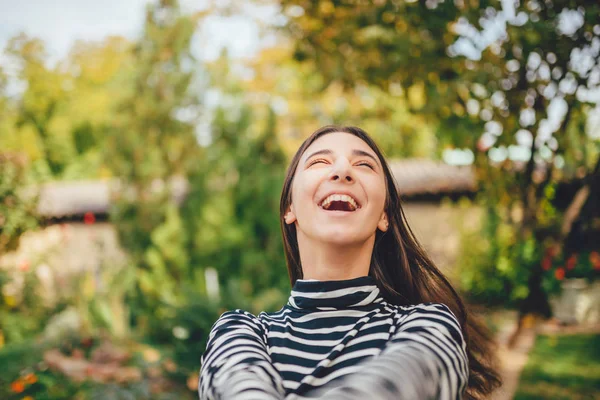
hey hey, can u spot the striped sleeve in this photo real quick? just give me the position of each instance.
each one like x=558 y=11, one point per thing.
x=236 y=363
x=425 y=359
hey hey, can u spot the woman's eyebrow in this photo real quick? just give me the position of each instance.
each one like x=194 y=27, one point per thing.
x=323 y=151
x=364 y=153
x=355 y=152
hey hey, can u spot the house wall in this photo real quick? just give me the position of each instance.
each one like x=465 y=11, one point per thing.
x=59 y=252
x=438 y=228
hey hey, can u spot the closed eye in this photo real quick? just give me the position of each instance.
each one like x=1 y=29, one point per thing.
x=322 y=160
x=318 y=160
x=367 y=164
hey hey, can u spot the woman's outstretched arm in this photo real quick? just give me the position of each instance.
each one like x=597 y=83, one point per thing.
x=236 y=363
x=425 y=359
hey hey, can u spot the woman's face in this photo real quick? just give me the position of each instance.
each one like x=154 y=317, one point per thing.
x=338 y=192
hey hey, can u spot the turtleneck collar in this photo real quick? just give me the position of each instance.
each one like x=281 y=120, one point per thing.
x=334 y=295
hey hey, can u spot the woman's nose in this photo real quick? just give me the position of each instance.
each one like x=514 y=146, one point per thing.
x=341 y=172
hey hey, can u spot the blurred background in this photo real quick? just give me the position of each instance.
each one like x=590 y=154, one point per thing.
x=143 y=146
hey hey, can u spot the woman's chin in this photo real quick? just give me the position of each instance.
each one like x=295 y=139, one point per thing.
x=342 y=237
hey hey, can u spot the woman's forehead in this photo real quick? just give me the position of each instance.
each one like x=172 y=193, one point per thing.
x=338 y=142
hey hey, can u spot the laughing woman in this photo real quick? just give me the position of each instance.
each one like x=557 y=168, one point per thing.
x=369 y=315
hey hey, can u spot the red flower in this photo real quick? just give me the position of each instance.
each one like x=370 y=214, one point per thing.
x=89 y=218
x=571 y=262
x=547 y=263
x=17 y=387
x=594 y=258
x=559 y=273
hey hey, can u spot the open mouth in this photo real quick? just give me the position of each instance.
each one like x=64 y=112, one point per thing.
x=339 y=202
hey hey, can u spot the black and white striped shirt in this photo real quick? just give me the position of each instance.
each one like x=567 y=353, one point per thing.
x=336 y=340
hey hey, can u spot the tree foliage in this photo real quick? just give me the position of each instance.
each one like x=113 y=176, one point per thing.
x=526 y=87
x=150 y=143
x=232 y=211
x=303 y=102
x=18 y=213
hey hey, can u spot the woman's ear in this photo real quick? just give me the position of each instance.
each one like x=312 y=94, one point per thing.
x=383 y=223
x=290 y=216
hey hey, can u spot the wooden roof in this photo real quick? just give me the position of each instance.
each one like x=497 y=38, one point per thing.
x=413 y=176
x=66 y=199
x=422 y=176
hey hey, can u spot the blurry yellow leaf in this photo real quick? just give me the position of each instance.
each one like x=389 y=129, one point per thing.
x=388 y=17
x=433 y=77
x=326 y=7
x=445 y=111
x=458 y=109
x=401 y=26
x=463 y=92
x=10 y=301
x=416 y=95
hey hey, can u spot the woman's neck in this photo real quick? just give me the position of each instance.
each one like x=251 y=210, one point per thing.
x=329 y=262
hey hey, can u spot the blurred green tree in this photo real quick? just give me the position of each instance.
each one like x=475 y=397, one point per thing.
x=285 y=84
x=18 y=211
x=232 y=210
x=18 y=206
x=151 y=143
x=41 y=100
x=526 y=88
x=57 y=114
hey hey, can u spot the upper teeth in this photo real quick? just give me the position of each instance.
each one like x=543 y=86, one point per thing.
x=339 y=197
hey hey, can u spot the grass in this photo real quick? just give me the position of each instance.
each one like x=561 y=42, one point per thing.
x=562 y=367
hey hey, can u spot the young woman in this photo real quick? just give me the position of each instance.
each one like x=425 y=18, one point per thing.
x=369 y=316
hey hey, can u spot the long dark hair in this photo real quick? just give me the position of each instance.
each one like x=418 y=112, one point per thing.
x=401 y=268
